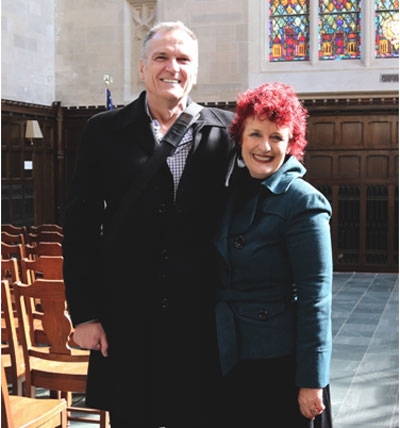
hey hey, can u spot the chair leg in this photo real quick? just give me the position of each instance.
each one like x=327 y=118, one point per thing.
x=104 y=419
x=20 y=387
x=68 y=397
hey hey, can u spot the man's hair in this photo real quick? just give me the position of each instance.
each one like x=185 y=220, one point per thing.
x=165 y=27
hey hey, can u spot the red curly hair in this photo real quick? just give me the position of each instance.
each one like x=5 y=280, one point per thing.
x=278 y=103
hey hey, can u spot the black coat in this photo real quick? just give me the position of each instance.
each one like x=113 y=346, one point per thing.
x=153 y=286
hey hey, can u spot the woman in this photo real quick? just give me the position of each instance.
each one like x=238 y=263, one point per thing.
x=275 y=263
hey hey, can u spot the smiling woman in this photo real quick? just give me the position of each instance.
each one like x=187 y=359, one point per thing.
x=275 y=265
x=264 y=146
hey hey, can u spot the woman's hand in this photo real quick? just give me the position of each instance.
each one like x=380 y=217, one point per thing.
x=311 y=402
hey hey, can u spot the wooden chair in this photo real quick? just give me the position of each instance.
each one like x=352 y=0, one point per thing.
x=10 y=269
x=9 y=251
x=49 y=227
x=43 y=249
x=9 y=238
x=12 y=358
x=14 y=230
x=10 y=273
x=45 y=236
x=47 y=267
x=24 y=412
x=58 y=366
x=16 y=251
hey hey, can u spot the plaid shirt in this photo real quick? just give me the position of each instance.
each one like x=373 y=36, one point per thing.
x=176 y=161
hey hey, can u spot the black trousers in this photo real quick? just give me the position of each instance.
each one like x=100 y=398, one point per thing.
x=262 y=394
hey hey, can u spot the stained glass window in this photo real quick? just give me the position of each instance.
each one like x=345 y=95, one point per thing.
x=386 y=28
x=289 y=30
x=339 y=29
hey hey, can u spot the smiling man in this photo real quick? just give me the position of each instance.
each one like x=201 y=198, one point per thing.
x=141 y=286
x=168 y=67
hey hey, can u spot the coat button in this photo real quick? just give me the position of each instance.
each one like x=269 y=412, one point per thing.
x=162 y=209
x=164 y=303
x=262 y=315
x=238 y=242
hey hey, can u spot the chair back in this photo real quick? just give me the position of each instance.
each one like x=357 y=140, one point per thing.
x=10 y=274
x=9 y=238
x=55 y=319
x=10 y=270
x=45 y=236
x=49 y=227
x=12 y=250
x=43 y=249
x=11 y=351
x=14 y=230
x=48 y=267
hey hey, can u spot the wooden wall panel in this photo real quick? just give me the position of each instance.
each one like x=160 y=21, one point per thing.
x=349 y=166
x=377 y=166
x=350 y=132
x=322 y=133
x=378 y=132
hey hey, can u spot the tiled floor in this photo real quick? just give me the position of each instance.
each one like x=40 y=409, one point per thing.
x=365 y=363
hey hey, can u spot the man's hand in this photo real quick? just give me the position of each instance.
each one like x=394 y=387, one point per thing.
x=91 y=336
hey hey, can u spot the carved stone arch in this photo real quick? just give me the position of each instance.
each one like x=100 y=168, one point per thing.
x=142 y=18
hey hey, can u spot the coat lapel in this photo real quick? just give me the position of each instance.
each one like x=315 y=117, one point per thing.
x=221 y=241
x=236 y=221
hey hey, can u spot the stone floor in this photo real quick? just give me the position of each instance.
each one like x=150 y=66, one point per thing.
x=365 y=360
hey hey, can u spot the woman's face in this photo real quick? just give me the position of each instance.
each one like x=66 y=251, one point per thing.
x=264 y=146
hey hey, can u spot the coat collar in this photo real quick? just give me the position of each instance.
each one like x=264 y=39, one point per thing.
x=131 y=114
x=280 y=181
x=136 y=112
x=277 y=183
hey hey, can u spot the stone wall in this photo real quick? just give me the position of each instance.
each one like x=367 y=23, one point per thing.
x=27 y=51
x=59 y=50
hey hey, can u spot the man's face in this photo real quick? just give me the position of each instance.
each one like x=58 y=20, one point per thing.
x=170 y=67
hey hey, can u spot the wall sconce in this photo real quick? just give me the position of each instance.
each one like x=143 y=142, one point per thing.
x=33 y=130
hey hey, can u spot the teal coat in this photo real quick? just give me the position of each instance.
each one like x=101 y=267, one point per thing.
x=275 y=263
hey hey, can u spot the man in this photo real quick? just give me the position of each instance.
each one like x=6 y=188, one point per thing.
x=141 y=286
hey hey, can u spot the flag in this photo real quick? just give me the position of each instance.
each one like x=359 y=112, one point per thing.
x=109 y=102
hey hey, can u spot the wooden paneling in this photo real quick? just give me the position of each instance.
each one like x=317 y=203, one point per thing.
x=352 y=157
x=28 y=192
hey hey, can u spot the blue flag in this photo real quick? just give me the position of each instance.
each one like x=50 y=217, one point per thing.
x=109 y=102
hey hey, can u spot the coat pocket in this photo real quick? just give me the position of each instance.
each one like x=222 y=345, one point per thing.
x=265 y=330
